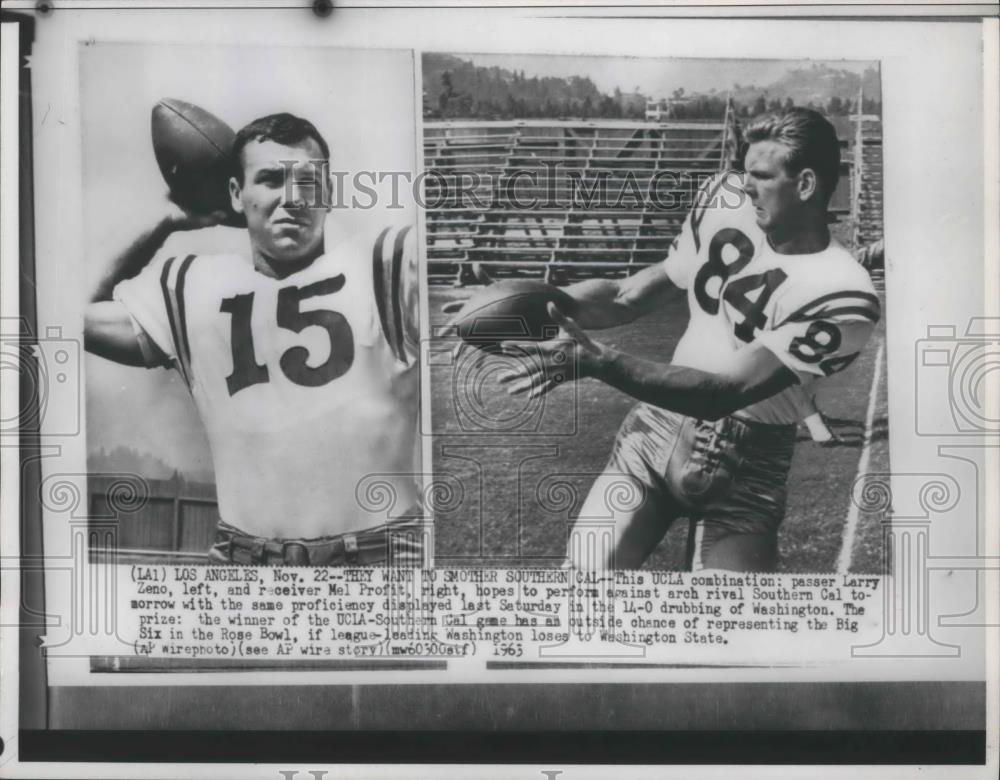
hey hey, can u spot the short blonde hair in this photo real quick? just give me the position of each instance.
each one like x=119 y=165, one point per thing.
x=811 y=141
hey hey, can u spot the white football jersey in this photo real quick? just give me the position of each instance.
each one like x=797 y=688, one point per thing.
x=307 y=385
x=813 y=311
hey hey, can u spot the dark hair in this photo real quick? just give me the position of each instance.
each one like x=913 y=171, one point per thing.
x=281 y=128
x=811 y=140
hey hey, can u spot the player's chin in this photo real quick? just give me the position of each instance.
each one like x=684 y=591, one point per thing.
x=291 y=248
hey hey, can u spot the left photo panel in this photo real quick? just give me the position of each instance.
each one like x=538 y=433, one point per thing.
x=251 y=306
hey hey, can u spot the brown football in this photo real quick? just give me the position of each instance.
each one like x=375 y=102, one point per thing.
x=194 y=152
x=512 y=310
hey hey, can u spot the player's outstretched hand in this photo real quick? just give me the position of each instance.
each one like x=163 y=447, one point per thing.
x=544 y=365
x=180 y=218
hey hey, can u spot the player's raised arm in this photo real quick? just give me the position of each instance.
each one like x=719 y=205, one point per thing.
x=109 y=329
x=141 y=251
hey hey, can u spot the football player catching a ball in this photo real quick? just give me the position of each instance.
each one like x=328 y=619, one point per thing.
x=775 y=305
x=301 y=360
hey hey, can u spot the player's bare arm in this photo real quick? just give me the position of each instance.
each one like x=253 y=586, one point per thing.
x=108 y=330
x=754 y=374
x=603 y=303
x=607 y=303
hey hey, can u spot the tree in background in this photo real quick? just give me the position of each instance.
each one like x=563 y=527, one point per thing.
x=457 y=89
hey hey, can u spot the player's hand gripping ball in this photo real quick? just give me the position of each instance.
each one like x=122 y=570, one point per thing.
x=509 y=310
x=194 y=152
x=542 y=366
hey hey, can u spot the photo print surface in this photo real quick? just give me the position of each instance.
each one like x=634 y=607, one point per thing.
x=589 y=173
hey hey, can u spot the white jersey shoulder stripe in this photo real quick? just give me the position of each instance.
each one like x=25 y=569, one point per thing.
x=172 y=281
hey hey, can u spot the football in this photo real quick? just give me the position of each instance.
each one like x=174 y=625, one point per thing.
x=511 y=310
x=193 y=149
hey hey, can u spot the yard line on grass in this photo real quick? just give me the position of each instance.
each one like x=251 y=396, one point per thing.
x=854 y=511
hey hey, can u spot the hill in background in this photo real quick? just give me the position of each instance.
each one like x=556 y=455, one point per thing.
x=125 y=460
x=455 y=88
x=832 y=90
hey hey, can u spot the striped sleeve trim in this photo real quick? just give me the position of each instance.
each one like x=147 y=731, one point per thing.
x=172 y=282
x=847 y=303
x=387 y=272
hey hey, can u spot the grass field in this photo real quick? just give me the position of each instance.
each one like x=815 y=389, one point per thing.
x=517 y=484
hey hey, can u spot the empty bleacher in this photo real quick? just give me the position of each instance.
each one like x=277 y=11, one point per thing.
x=562 y=199
x=568 y=199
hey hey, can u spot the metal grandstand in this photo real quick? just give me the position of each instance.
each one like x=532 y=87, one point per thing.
x=866 y=201
x=562 y=198
x=565 y=199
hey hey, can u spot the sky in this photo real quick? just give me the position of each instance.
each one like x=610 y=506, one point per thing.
x=657 y=78
x=361 y=101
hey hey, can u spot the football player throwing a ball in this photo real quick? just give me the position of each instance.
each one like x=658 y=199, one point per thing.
x=775 y=305
x=301 y=359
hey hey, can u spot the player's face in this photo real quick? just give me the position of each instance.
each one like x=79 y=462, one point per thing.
x=285 y=197
x=776 y=194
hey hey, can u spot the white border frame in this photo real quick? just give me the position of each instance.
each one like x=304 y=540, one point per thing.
x=397 y=34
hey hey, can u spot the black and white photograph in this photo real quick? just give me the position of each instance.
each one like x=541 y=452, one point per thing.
x=252 y=315
x=498 y=391
x=679 y=214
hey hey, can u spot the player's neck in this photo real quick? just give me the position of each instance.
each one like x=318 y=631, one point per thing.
x=279 y=269
x=807 y=236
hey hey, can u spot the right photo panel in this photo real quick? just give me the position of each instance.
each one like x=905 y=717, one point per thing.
x=657 y=309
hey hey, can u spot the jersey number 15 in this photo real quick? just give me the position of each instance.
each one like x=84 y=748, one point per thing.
x=294 y=361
